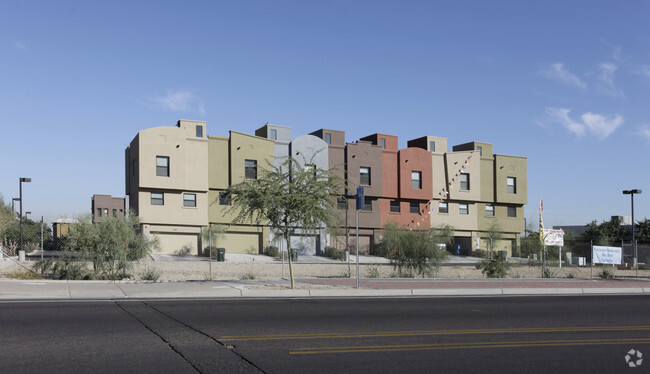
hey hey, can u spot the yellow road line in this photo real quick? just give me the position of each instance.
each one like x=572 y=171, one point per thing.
x=466 y=345
x=341 y=335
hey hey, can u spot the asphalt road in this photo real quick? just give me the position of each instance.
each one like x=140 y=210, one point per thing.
x=570 y=334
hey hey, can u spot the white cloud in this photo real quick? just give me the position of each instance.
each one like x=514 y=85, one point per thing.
x=606 y=84
x=180 y=101
x=645 y=71
x=560 y=73
x=590 y=123
x=644 y=130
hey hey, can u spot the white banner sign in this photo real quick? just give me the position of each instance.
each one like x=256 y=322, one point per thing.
x=554 y=237
x=606 y=255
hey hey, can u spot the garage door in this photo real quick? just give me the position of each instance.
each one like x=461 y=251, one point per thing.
x=175 y=244
x=304 y=245
x=240 y=243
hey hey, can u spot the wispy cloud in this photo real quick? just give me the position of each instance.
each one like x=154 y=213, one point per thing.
x=644 y=70
x=593 y=124
x=559 y=73
x=606 y=84
x=644 y=131
x=20 y=46
x=179 y=101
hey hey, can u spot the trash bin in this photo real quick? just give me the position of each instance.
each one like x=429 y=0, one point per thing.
x=221 y=254
x=294 y=256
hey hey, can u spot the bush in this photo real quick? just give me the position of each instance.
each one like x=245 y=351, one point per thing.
x=334 y=253
x=606 y=274
x=479 y=253
x=548 y=273
x=206 y=252
x=150 y=273
x=271 y=251
x=497 y=268
x=373 y=272
x=378 y=249
x=416 y=252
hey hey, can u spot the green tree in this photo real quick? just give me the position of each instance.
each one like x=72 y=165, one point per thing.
x=493 y=234
x=607 y=233
x=287 y=196
x=495 y=268
x=416 y=252
x=643 y=228
x=110 y=245
x=7 y=217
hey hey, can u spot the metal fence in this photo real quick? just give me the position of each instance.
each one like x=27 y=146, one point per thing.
x=36 y=236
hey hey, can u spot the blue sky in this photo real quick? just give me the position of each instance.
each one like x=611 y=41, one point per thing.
x=564 y=83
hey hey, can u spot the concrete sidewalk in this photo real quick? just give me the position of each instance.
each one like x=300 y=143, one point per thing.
x=312 y=287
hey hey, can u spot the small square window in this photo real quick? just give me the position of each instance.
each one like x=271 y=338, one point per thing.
x=367 y=204
x=489 y=210
x=328 y=138
x=512 y=185
x=382 y=143
x=157 y=198
x=364 y=176
x=162 y=166
x=443 y=207
x=224 y=199
x=512 y=211
x=274 y=134
x=463 y=209
x=414 y=207
x=394 y=206
x=250 y=171
x=464 y=182
x=342 y=203
x=416 y=180
x=199 y=131
x=189 y=200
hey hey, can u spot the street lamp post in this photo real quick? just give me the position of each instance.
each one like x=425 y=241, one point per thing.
x=20 y=187
x=636 y=261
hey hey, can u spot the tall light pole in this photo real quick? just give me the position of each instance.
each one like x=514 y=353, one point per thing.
x=636 y=261
x=20 y=187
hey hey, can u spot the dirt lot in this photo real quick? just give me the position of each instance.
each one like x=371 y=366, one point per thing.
x=200 y=270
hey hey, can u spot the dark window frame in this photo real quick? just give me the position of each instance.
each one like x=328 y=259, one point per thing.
x=191 y=202
x=442 y=210
x=250 y=169
x=463 y=208
x=489 y=211
x=414 y=207
x=511 y=188
x=367 y=204
x=225 y=198
x=365 y=179
x=464 y=184
x=416 y=184
x=155 y=200
x=395 y=206
x=512 y=211
x=162 y=170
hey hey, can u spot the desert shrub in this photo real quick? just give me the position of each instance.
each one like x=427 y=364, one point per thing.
x=207 y=251
x=548 y=273
x=416 y=252
x=606 y=274
x=271 y=251
x=373 y=272
x=479 y=253
x=496 y=268
x=150 y=273
x=334 y=253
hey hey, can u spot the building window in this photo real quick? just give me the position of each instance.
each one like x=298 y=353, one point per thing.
x=464 y=182
x=99 y=212
x=250 y=169
x=105 y=212
x=432 y=146
x=463 y=209
x=162 y=166
x=512 y=211
x=224 y=198
x=489 y=210
x=328 y=138
x=394 y=206
x=382 y=143
x=364 y=176
x=199 y=131
x=443 y=207
x=480 y=150
x=114 y=212
x=274 y=134
x=414 y=207
x=342 y=203
x=512 y=185
x=367 y=204
x=157 y=198
x=189 y=200
x=416 y=180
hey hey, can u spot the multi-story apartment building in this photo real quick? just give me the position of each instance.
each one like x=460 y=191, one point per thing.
x=103 y=206
x=471 y=189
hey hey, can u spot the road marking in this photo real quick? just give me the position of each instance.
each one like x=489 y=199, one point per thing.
x=340 y=335
x=466 y=345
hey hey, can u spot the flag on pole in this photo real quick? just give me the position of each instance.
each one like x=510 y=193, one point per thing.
x=541 y=222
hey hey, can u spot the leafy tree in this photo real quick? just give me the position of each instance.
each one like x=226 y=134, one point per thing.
x=643 y=228
x=607 y=233
x=287 y=196
x=111 y=244
x=495 y=268
x=7 y=217
x=415 y=251
x=494 y=233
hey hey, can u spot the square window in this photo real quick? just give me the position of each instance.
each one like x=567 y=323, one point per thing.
x=512 y=185
x=512 y=211
x=443 y=207
x=382 y=143
x=189 y=200
x=199 y=131
x=342 y=203
x=367 y=204
x=414 y=207
x=394 y=206
x=105 y=212
x=489 y=210
x=364 y=176
x=250 y=171
x=114 y=212
x=416 y=180
x=463 y=209
x=157 y=198
x=162 y=166
x=274 y=134
x=464 y=182
x=224 y=198
x=328 y=138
